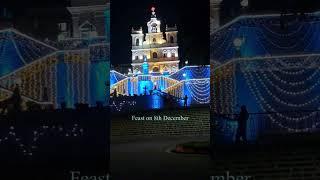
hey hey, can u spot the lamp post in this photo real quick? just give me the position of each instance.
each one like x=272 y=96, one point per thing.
x=129 y=72
x=238 y=42
x=18 y=81
x=244 y=6
x=184 y=75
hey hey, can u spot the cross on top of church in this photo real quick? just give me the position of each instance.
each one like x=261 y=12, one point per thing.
x=153 y=12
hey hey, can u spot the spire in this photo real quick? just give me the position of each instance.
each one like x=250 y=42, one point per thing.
x=153 y=12
x=154 y=24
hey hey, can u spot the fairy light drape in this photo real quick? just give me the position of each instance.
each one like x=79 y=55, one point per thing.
x=271 y=65
x=78 y=73
x=274 y=85
x=192 y=81
x=264 y=36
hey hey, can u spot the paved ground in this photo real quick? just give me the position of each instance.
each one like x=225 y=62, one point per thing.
x=149 y=159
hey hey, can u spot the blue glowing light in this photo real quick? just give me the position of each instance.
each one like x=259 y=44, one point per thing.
x=190 y=81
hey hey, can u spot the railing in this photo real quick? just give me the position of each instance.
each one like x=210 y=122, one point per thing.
x=262 y=126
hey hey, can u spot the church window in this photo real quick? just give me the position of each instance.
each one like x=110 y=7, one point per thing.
x=154 y=28
x=137 y=42
x=155 y=69
x=171 y=39
x=154 y=55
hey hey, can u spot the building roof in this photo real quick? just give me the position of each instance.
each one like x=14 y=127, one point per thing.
x=266 y=35
x=18 y=50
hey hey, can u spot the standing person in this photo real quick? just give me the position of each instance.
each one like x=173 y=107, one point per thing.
x=185 y=101
x=16 y=99
x=115 y=94
x=242 y=125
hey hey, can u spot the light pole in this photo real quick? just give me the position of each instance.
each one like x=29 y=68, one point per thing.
x=244 y=6
x=238 y=42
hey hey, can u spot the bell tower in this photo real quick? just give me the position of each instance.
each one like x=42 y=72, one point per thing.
x=158 y=49
x=88 y=18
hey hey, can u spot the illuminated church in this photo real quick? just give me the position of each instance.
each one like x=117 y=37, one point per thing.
x=155 y=51
x=74 y=69
x=156 y=74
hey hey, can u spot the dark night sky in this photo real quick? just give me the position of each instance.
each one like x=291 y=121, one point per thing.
x=191 y=18
x=46 y=13
x=231 y=8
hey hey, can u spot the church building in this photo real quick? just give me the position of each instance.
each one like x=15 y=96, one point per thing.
x=155 y=52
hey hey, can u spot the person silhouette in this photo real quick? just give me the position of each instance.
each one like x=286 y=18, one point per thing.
x=16 y=99
x=115 y=93
x=242 y=125
x=185 y=101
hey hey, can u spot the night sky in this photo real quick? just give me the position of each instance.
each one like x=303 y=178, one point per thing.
x=191 y=18
x=231 y=8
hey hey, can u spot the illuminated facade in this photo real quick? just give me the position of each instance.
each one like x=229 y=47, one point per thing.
x=73 y=70
x=153 y=52
x=155 y=75
x=270 y=69
x=214 y=14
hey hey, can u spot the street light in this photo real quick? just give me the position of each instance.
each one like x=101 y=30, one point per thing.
x=244 y=3
x=238 y=42
x=18 y=81
x=184 y=75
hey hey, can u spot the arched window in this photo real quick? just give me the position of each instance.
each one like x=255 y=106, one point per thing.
x=171 y=39
x=137 y=42
x=154 y=40
x=165 y=55
x=173 y=55
x=154 y=28
x=137 y=57
x=154 y=55
x=155 y=69
x=87 y=30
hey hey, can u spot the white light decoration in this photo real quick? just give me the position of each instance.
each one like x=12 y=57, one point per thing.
x=170 y=80
x=121 y=104
x=237 y=42
x=27 y=149
x=261 y=81
x=199 y=90
x=18 y=81
x=284 y=82
x=244 y=3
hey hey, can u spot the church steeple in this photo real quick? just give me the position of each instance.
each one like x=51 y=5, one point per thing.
x=153 y=13
x=155 y=51
x=154 y=24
